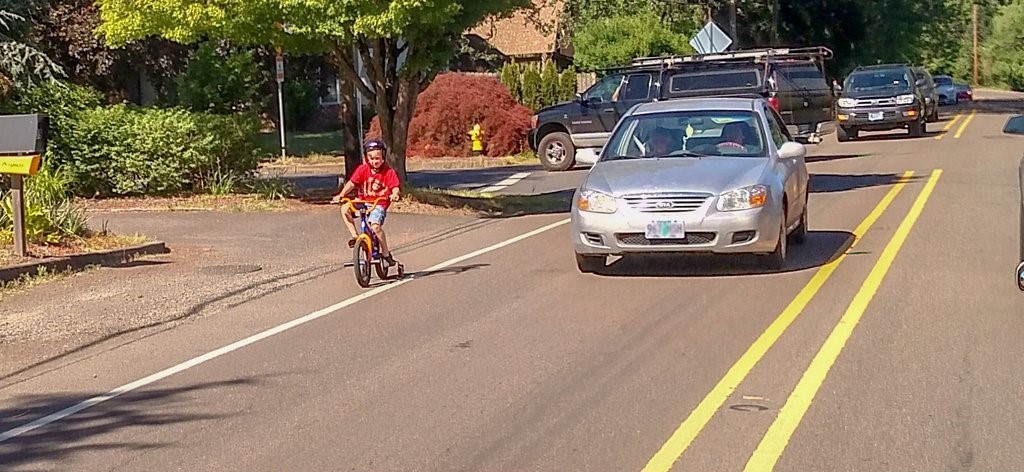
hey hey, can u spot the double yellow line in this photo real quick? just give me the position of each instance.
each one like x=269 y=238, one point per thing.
x=775 y=440
x=952 y=122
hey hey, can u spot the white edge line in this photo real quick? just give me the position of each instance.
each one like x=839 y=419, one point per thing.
x=13 y=433
x=514 y=179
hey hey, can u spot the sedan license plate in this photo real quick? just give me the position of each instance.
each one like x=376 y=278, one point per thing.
x=875 y=116
x=665 y=230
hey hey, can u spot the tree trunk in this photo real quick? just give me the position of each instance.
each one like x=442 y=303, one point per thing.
x=351 y=135
x=393 y=95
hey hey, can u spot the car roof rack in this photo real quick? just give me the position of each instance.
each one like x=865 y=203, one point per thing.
x=748 y=55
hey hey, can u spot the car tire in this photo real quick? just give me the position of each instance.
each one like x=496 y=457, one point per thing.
x=589 y=264
x=556 y=152
x=777 y=259
x=844 y=134
x=917 y=129
x=799 y=235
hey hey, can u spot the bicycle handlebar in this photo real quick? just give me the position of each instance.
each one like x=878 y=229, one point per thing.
x=355 y=201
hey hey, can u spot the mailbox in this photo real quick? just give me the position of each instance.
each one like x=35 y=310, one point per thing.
x=22 y=142
x=22 y=135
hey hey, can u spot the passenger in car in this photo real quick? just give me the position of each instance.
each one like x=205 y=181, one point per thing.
x=660 y=142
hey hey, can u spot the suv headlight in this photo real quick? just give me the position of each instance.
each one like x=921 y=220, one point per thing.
x=596 y=202
x=905 y=99
x=744 y=198
x=847 y=102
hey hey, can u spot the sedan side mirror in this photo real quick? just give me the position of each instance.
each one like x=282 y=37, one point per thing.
x=792 y=150
x=1014 y=125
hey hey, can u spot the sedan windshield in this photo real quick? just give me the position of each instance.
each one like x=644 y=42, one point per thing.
x=687 y=134
x=943 y=80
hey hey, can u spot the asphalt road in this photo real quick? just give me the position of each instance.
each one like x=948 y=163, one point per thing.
x=899 y=352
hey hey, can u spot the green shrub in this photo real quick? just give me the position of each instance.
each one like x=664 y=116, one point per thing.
x=122 y=150
x=567 y=84
x=220 y=82
x=300 y=102
x=51 y=215
x=62 y=102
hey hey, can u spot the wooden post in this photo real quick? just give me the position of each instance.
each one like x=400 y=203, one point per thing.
x=18 y=207
x=975 y=21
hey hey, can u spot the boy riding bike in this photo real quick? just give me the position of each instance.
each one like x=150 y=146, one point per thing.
x=375 y=179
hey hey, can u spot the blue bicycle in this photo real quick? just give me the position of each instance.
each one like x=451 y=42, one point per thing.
x=366 y=252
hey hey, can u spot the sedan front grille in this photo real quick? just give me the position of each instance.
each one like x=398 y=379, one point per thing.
x=666 y=202
x=638 y=239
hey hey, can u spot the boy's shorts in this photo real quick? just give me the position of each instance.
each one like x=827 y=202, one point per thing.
x=377 y=215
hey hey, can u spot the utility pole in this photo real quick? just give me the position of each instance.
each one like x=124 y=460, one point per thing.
x=775 y=23
x=975 y=15
x=732 y=24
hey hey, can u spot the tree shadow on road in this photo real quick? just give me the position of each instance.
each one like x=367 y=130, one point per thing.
x=830 y=183
x=95 y=429
x=821 y=248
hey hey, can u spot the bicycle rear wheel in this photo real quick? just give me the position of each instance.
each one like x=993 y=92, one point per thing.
x=361 y=263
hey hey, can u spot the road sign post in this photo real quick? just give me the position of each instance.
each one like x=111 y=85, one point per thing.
x=280 y=99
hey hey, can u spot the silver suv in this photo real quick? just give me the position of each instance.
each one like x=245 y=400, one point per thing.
x=713 y=175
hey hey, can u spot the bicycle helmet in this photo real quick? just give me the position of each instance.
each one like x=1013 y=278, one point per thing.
x=375 y=144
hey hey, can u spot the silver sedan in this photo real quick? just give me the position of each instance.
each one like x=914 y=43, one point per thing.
x=702 y=175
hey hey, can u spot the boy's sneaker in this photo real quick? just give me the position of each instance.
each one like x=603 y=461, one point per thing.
x=352 y=243
x=390 y=260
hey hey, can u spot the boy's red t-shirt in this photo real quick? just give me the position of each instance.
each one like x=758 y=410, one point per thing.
x=373 y=184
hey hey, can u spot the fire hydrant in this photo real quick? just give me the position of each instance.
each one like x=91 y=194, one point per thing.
x=477 y=135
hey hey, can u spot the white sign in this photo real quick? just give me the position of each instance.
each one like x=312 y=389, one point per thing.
x=280 y=69
x=710 y=39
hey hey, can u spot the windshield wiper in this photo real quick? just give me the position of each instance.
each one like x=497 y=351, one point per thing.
x=622 y=157
x=685 y=153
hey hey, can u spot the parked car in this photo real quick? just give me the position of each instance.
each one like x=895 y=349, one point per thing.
x=964 y=92
x=791 y=80
x=700 y=175
x=947 y=89
x=881 y=98
x=928 y=91
x=1015 y=126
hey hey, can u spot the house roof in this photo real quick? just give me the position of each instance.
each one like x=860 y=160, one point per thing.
x=521 y=35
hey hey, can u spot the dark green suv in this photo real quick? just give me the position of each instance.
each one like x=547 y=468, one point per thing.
x=881 y=98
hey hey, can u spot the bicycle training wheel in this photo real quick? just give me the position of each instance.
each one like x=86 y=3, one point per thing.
x=361 y=263
x=382 y=271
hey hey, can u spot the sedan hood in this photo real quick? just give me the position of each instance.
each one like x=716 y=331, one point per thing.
x=675 y=174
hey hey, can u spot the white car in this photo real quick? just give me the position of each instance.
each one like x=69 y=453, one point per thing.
x=700 y=175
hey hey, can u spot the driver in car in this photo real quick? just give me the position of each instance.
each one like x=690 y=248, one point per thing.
x=734 y=136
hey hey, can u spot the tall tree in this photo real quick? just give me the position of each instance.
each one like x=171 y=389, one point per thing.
x=21 y=64
x=403 y=43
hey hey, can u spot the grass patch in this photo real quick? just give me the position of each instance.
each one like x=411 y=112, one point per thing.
x=101 y=241
x=42 y=276
x=301 y=144
x=201 y=202
x=494 y=205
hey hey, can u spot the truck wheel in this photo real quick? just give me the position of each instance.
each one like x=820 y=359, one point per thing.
x=556 y=152
x=917 y=129
x=844 y=134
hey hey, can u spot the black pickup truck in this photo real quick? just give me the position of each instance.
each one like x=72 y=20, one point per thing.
x=791 y=79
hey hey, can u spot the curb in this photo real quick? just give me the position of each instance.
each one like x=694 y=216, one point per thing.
x=79 y=262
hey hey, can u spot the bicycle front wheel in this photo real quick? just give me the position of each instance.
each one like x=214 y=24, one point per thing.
x=361 y=263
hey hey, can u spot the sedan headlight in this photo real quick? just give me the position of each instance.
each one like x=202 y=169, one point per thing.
x=847 y=102
x=744 y=198
x=596 y=202
x=905 y=99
